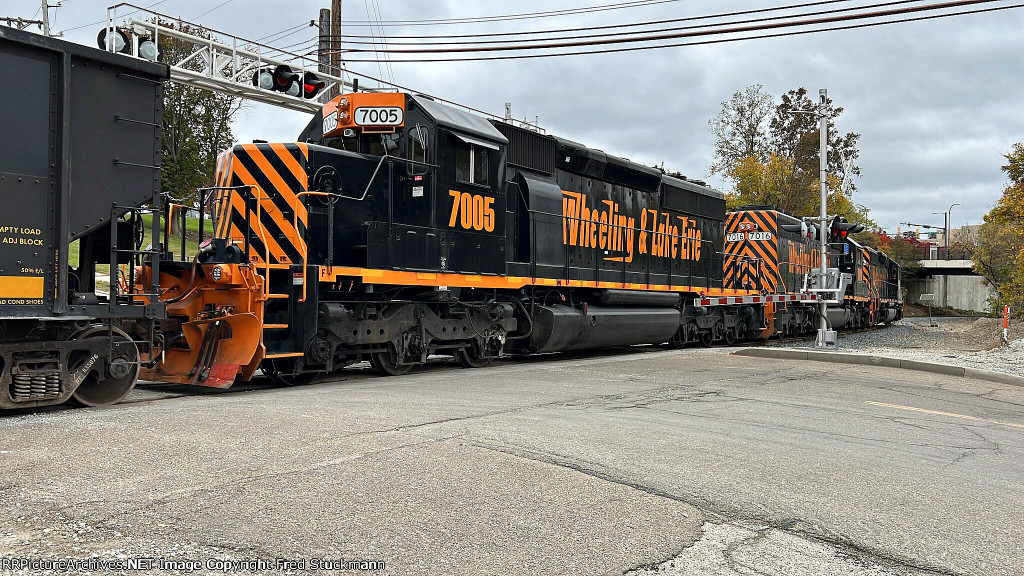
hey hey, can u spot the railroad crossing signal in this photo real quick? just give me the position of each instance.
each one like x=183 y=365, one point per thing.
x=841 y=228
x=805 y=229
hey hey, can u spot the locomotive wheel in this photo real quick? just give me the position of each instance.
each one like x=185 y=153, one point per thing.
x=730 y=336
x=276 y=368
x=469 y=358
x=742 y=328
x=678 y=340
x=384 y=363
x=706 y=338
x=122 y=369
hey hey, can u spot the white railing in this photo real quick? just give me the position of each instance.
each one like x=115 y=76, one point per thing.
x=224 y=65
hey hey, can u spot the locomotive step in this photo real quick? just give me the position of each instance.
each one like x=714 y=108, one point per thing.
x=274 y=296
x=274 y=326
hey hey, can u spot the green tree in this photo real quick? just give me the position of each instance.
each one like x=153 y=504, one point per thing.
x=197 y=126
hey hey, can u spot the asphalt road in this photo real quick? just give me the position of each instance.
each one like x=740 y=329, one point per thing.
x=640 y=462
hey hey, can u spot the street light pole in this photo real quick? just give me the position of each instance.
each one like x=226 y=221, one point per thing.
x=949 y=226
x=823 y=152
x=948 y=218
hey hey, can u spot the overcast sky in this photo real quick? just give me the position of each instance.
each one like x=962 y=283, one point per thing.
x=936 y=102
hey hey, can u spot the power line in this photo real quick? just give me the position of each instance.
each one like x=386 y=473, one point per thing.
x=689 y=34
x=611 y=26
x=297 y=26
x=384 y=39
x=692 y=27
x=222 y=4
x=526 y=16
x=379 y=70
x=717 y=41
x=104 y=21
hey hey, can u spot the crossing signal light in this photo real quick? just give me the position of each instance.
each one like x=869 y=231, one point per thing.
x=804 y=229
x=119 y=41
x=264 y=78
x=841 y=229
x=800 y=228
x=311 y=85
x=286 y=80
x=149 y=50
x=279 y=79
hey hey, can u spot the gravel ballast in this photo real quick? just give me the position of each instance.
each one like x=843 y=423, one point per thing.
x=966 y=342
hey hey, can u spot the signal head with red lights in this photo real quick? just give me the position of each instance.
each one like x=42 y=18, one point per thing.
x=841 y=229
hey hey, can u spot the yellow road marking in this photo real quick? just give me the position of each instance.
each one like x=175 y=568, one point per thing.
x=940 y=413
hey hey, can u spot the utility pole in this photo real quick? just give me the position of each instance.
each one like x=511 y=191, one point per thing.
x=324 y=47
x=335 y=43
x=46 y=17
x=823 y=145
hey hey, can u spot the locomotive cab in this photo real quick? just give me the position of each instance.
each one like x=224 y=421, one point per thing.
x=420 y=178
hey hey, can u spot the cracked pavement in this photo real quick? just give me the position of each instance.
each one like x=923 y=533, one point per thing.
x=641 y=462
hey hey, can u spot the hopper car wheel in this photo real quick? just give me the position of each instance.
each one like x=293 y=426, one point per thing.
x=122 y=369
x=384 y=363
x=469 y=358
x=277 y=370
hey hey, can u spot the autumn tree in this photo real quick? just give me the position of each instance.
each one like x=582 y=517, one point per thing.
x=997 y=249
x=907 y=252
x=769 y=151
x=196 y=126
x=740 y=129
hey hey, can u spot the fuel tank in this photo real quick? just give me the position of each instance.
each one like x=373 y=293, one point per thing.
x=838 y=317
x=888 y=315
x=561 y=328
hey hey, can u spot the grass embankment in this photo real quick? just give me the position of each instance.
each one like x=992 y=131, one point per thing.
x=174 y=241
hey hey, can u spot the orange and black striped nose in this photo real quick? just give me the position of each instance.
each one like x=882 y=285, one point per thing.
x=751 y=250
x=270 y=207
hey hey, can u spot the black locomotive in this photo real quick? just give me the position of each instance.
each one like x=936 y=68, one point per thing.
x=396 y=227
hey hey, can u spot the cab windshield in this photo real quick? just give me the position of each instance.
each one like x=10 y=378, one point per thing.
x=372 y=144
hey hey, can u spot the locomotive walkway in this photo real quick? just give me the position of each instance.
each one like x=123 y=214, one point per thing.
x=641 y=462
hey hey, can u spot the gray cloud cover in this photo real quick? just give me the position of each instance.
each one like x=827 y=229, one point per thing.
x=936 y=102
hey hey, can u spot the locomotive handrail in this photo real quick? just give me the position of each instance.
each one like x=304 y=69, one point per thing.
x=377 y=169
x=304 y=250
x=204 y=200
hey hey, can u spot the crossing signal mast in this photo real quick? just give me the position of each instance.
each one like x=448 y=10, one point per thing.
x=238 y=67
x=228 y=64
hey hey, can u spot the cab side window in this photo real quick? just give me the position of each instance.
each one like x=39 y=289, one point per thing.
x=471 y=163
x=463 y=161
x=479 y=165
x=418 y=143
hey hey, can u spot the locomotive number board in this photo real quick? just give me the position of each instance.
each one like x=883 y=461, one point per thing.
x=379 y=116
